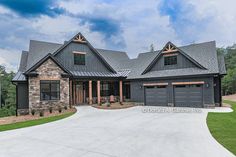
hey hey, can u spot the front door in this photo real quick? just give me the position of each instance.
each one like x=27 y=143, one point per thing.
x=79 y=93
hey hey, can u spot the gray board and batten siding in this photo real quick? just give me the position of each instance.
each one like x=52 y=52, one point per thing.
x=138 y=90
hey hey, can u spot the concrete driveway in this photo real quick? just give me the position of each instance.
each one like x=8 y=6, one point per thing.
x=132 y=132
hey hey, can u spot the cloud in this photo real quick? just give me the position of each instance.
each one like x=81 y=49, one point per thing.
x=182 y=17
x=123 y=27
x=110 y=29
x=10 y=59
x=29 y=8
x=128 y=25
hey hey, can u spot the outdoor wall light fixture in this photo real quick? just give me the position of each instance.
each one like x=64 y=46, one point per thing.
x=207 y=85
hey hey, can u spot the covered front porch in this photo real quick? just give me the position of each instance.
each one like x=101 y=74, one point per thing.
x=96 y=91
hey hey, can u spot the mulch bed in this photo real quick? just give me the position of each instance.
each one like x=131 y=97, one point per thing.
x=230 y=97
x=115 y=105
x=22 y=118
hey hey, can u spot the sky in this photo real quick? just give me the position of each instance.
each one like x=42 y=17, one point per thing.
x=127 y=25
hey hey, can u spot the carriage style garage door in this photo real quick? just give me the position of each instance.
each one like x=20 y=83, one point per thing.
x=188 y=96
x=156 y=95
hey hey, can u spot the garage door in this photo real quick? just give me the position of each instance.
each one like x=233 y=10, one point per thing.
x=156 y=96
x=188 y=96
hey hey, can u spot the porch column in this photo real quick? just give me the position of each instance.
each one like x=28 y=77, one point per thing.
x=121 y=91
x=70 y=94
x=98 y=92
x=90 y=93
x=74 y=93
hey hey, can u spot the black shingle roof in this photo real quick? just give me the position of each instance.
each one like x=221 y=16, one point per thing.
x=204 y=53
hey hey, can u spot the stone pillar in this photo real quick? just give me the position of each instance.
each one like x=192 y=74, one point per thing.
x=98 y=92
x=121 y=91
x=71 y=98
x=90 y=93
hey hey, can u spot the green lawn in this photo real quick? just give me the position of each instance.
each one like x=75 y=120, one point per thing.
x=223 y=127
x=33 y=122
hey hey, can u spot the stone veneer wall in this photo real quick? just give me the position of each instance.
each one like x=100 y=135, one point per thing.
x=48 y=71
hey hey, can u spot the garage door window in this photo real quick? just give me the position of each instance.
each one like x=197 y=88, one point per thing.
x=161 y=86
x=150 y=87
x=183 y=86
x=180 y=86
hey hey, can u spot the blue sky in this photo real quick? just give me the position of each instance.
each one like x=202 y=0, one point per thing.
x=128 y=25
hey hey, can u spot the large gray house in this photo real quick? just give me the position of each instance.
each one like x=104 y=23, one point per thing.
x=76 y=73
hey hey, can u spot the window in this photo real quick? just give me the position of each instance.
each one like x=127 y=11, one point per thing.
x=79 y=59
x=181 y=86
x=109 y=88
x=170 y=60
x=49 y=90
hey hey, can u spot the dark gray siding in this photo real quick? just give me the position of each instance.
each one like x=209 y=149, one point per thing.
x=182 y=62
x=92 y=61
x=22 y=96
x=137 y=90
x=217 y=89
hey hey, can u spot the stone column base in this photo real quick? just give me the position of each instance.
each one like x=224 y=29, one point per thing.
x=22 y=112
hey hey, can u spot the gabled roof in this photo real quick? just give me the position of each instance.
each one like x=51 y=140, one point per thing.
x=203 y=53
x=117 y=59
x=38 y=50
x=79 y=36
x=167 y=49
x=19 y=76
x=221 y=64
x=23 y=61
x=40 y=62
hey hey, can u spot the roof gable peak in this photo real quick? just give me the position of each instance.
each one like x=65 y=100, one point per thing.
x=169 y=48
x=79 y=38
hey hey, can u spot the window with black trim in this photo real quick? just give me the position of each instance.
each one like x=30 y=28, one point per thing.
x=170 y=60
x=79 y=59
x=49 y=90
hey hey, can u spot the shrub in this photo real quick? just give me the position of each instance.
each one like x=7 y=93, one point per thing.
x=121 y=103
x=7 y=111
x=65 y=107
x=59 y=109
x=50 y=109
x=33 y=112
x=41 y=113
x=70 y=106
x=108 y=104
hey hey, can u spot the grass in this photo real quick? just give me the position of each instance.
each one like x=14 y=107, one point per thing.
x=29 y=123
x=223 y=127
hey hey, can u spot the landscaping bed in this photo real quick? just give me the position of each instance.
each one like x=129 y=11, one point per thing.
x=115 y=105
x=223 y=127
x=30 y=117
x=230 y=97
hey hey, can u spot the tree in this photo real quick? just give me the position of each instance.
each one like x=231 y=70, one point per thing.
x=8 y=93
x=229 y=81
